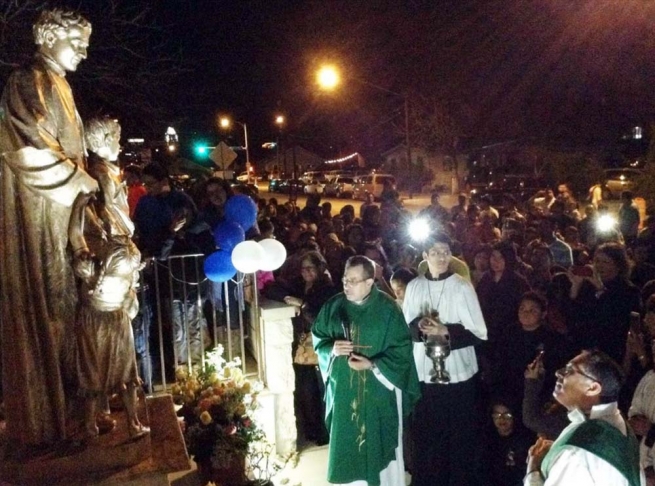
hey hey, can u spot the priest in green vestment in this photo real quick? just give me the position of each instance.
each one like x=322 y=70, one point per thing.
x=365 y=356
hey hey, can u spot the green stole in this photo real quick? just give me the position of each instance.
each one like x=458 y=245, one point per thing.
x=605 y=441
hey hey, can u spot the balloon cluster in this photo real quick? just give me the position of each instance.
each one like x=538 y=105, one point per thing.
x=237 y=254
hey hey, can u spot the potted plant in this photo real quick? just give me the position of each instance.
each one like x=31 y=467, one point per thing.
x=217 y=404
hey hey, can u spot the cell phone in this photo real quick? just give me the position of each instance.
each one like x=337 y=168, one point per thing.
x=635 y=323
x=538 y=358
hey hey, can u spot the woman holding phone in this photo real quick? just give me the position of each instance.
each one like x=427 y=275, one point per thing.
x=527 y=341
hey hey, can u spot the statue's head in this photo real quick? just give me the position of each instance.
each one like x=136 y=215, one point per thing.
x=62 y=36
x=102 y=136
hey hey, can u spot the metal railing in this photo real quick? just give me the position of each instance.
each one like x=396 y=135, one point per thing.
x=183 y=314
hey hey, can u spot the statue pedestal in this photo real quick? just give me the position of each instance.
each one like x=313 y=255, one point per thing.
x=114 y=458
x=276 y=335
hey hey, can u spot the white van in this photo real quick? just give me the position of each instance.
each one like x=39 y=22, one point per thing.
x=372 y=184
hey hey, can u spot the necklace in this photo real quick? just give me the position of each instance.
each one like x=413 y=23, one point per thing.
x=433 y=311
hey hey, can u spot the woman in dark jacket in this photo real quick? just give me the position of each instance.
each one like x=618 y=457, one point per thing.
x=600 y=306
x=500 y=290
x=506 y=445
x=308 y=293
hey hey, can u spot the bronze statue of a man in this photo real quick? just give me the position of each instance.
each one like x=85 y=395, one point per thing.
x=42 y=170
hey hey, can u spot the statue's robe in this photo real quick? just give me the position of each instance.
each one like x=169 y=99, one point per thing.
x=41 y=172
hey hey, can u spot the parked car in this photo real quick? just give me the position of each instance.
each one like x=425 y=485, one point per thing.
x=315 y=186
x=618 y=180
x=274 y=185
x=242 y=188
x=520 y=187
x=342 y=186
x=288 y=185
x=372 y=184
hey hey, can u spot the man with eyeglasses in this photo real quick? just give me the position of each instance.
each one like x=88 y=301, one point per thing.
x=598 y=447
x=444 y=425
x=365 y=356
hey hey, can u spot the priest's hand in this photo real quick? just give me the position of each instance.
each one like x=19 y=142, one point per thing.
x=359 y=363
x=536 y=454
x=342 y=348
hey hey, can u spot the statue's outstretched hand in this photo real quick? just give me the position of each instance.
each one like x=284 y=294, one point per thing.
x=89 y=185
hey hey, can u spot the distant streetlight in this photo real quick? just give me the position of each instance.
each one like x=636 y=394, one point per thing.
x=226 y=123
x=328 y=78
x=171 y=139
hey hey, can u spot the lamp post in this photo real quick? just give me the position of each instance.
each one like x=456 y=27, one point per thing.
x=328 y=78
x=226 y=123
x=280 y=121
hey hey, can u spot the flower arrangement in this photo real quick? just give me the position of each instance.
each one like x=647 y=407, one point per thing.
x=217 y=402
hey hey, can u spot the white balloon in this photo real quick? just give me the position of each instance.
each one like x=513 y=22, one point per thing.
x=274 y=254
x=247 y=256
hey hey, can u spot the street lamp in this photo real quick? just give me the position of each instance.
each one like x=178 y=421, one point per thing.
x=226 y=123
x=328 y=78
x=280 y=121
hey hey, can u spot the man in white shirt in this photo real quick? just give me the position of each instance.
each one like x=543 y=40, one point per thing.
x=597 y=448
x=444 y=426
x=642 y=421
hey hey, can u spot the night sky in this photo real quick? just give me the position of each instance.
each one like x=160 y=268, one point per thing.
x=580 y=71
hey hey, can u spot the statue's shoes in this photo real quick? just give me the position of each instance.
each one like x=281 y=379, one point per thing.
x=105 y=423
x=138 y=431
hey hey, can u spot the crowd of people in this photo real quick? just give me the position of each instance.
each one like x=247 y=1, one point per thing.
x=519 y=291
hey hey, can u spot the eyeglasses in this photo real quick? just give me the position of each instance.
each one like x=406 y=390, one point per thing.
x=569 y=370
x=307 y=268
x=498 y=415
x=350 y=282
x=437 y=253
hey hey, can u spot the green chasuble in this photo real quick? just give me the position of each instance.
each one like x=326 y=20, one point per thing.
x=361 y=413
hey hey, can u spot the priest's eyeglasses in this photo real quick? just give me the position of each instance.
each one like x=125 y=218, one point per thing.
x=351 y=282
x=569 y=370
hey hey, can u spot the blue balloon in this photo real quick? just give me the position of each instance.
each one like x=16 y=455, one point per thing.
x=241 y=209
x=228 y=234
x=218 y=266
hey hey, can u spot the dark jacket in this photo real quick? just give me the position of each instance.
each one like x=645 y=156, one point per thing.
x=602 y=319
x=499 y=301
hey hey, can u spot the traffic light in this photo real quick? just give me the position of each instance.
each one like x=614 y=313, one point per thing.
x=201 y=149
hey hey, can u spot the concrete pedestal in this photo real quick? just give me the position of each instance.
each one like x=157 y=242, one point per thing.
x=276 y=336
x=114 y=458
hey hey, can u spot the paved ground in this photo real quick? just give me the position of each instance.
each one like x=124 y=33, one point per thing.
x=309 y=470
